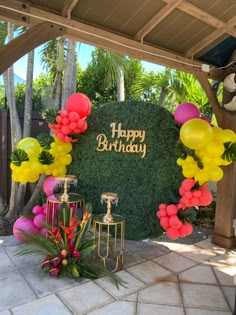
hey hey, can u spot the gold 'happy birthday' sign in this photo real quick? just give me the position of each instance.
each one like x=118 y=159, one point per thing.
x=126 y=140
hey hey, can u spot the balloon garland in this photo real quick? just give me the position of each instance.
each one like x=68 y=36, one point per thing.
x=202 y=149
x=48 y=154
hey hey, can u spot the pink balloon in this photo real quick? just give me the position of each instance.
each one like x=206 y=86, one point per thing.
x=39 y=220
x=25 y=224
x=79 y=103
x=185 y=112
x=37 y=209
x=43 y=231
x=49 y=185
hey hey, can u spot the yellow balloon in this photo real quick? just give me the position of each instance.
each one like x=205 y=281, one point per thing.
x=196 y=133
x=215 y=173
x=215 y=148
x=228 y=135
x=30 y=146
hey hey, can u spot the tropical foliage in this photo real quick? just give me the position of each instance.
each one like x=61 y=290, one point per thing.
x=67 y=247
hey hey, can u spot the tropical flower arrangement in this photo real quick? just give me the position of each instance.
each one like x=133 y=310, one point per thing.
x=66 y=248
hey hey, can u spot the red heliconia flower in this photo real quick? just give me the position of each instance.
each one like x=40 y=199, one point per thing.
x=74 y=222
x=55 y=234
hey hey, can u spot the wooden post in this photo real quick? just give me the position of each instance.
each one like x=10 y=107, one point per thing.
x=226 y=192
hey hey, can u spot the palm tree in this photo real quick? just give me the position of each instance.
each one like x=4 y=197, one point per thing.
x=59 y=58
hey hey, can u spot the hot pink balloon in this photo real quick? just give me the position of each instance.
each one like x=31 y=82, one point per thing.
x=25 y=224
x=79 y=103
x=185 y=112
x=39 y=221
x=37 y=209
x=49 y=185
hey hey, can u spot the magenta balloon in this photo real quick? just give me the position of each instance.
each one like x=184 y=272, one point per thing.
x=37 y=209
x=79 y=103
x=25 y=224
x=39 y=220
x=49 y=185
x=185 y=112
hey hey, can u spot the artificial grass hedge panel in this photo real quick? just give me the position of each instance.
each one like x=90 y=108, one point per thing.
x=141 y=183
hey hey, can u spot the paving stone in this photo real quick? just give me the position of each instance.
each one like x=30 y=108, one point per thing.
x=85 y=297
x=230 y=295
x=223 y=275
x=144 y=249
x=195 y=253
x=132 y=285
x=149 y=272
x=207 y=244
x=161 y=293
x=5 y=262
x=152 y=309
x=131 y=297
x=16 y=290
x=203 y=296
x=9 y=241
x=21 y=261
x=174 y=262
x=198 y=274
x=194 y=311
x=131 y=259
x=43 y=284
x=116 y=308
x=45 y=306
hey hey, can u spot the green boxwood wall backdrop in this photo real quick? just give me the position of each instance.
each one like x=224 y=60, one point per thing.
x=141 y=183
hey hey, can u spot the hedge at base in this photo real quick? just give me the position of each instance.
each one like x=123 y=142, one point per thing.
x=141 y=183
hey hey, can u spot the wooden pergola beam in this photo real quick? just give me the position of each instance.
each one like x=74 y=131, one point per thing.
x=68 y=7
x=209 y=39
x=26 y=42
x=156 y=19
x=205 y=17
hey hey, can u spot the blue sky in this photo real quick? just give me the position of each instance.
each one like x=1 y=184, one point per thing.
x=84 y=56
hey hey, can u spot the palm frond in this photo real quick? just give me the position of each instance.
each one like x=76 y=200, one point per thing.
x=230 y=152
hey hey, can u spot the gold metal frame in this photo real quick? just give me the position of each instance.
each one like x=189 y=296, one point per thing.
x=109 y=238
x=73 y=199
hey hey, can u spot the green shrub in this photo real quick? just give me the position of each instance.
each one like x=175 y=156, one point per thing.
x=141 y=183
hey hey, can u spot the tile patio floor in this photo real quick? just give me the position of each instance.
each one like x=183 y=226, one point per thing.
x=162 y=278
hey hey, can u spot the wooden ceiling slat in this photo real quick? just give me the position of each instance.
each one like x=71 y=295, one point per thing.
x=204 y=16
x=157 y=18
x=68 y=7
x=209 y=39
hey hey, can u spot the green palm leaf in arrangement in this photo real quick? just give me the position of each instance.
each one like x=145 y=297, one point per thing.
x=46 y=158
x=50 y=115
x=45 y=140
x=18 y=156
x=230 y=152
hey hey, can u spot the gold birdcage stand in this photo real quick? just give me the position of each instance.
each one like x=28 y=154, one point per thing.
x=109 y=234
x=72 y=200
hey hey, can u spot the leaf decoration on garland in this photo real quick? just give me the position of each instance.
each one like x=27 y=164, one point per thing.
x=188 y=215
x=46 y=158
x=182 y=152
x=45 y=140
x=18 y=156
x=50 y=115
x=230 y=152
